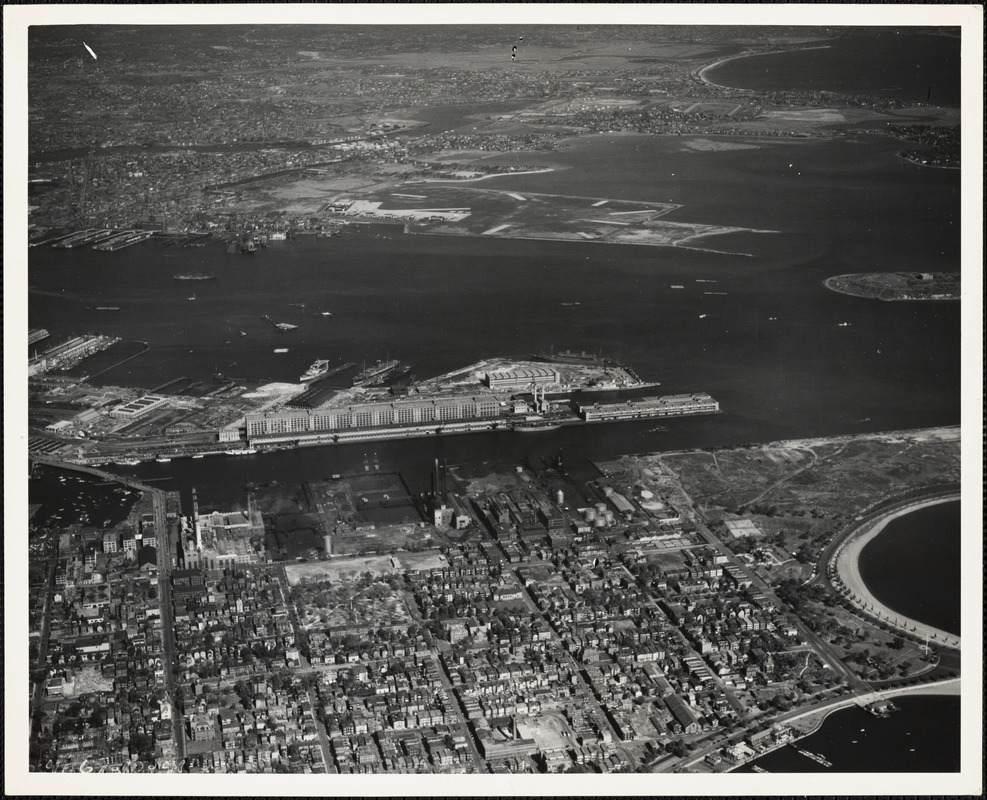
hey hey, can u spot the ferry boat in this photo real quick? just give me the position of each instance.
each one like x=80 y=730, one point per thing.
x=162 y=459
x=194 y=276
x=317 y=370
x=128 y=462
x=243 y=451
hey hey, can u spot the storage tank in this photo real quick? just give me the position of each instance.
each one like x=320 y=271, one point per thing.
x=600 y=522
x=608 y=516
x=608 y=490
x=590 y=514
x=560 y=497
x=601 y=507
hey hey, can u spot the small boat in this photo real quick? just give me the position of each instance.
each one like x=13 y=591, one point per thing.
x=326 y=313
x=243 y=333
x=192 y=297
x=199 y=455
x=676 y=286
x=162 y=459
x=702 y=316
x=280 y=349
x=844 y=324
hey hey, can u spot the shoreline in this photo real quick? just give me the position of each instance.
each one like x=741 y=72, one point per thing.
x=845 y=562
x=701 y=73
x=813 y=719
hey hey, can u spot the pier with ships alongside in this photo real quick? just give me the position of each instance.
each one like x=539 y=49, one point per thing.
x=494 y=395
x=382 y=401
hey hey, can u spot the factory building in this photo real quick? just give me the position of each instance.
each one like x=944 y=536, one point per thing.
x=674 y=405
x=522 y=378
x=301 y=422
x=139 y=407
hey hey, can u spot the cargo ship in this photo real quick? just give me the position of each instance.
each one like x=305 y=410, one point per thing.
x=536 y=425
x=194 y=276
x=376 y=373
x=570 y=357
x=317 y=370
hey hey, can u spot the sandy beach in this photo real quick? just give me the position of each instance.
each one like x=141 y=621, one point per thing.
x=847 y=564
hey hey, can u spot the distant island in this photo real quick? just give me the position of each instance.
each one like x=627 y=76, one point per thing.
x=898 y=285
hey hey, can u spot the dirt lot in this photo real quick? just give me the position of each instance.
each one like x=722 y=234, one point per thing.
x=835 y=477
x=342 y=569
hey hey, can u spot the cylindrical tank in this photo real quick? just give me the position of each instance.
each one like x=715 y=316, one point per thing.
x=590 y=514
x=607 y=490
x=327 y=544
x=560 y=497
x=608 y=516
x=519 y=469
x=647 y=494
x=601 y=507
x=600 y=522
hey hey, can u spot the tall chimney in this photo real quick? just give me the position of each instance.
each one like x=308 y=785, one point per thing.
x=195 y=520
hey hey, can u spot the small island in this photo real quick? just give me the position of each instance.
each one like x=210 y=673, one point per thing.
x=898 y=285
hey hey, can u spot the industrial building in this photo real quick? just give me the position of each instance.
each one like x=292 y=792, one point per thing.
x=218 y=540
x=674 y=405
x=139 y=407
x=522 y=378
x=271 y=425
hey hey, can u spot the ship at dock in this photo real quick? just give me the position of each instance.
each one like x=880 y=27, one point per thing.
x=571 y=357
x=376 y=373
x=319 y=368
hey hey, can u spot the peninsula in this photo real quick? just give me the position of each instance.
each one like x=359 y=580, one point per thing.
x=898 y=285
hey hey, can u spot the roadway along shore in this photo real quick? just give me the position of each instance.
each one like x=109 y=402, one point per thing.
x=805 y=723
x=846 y=562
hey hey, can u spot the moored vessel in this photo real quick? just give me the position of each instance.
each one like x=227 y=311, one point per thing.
x=319 y=368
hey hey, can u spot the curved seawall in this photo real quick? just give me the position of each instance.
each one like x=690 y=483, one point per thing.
x=845 y=563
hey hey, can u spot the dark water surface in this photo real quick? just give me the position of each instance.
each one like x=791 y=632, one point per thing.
x=923 y=736
x=913 y=566
x=897 y=64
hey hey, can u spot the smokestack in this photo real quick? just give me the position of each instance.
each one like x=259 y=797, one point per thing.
x=195 y=520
